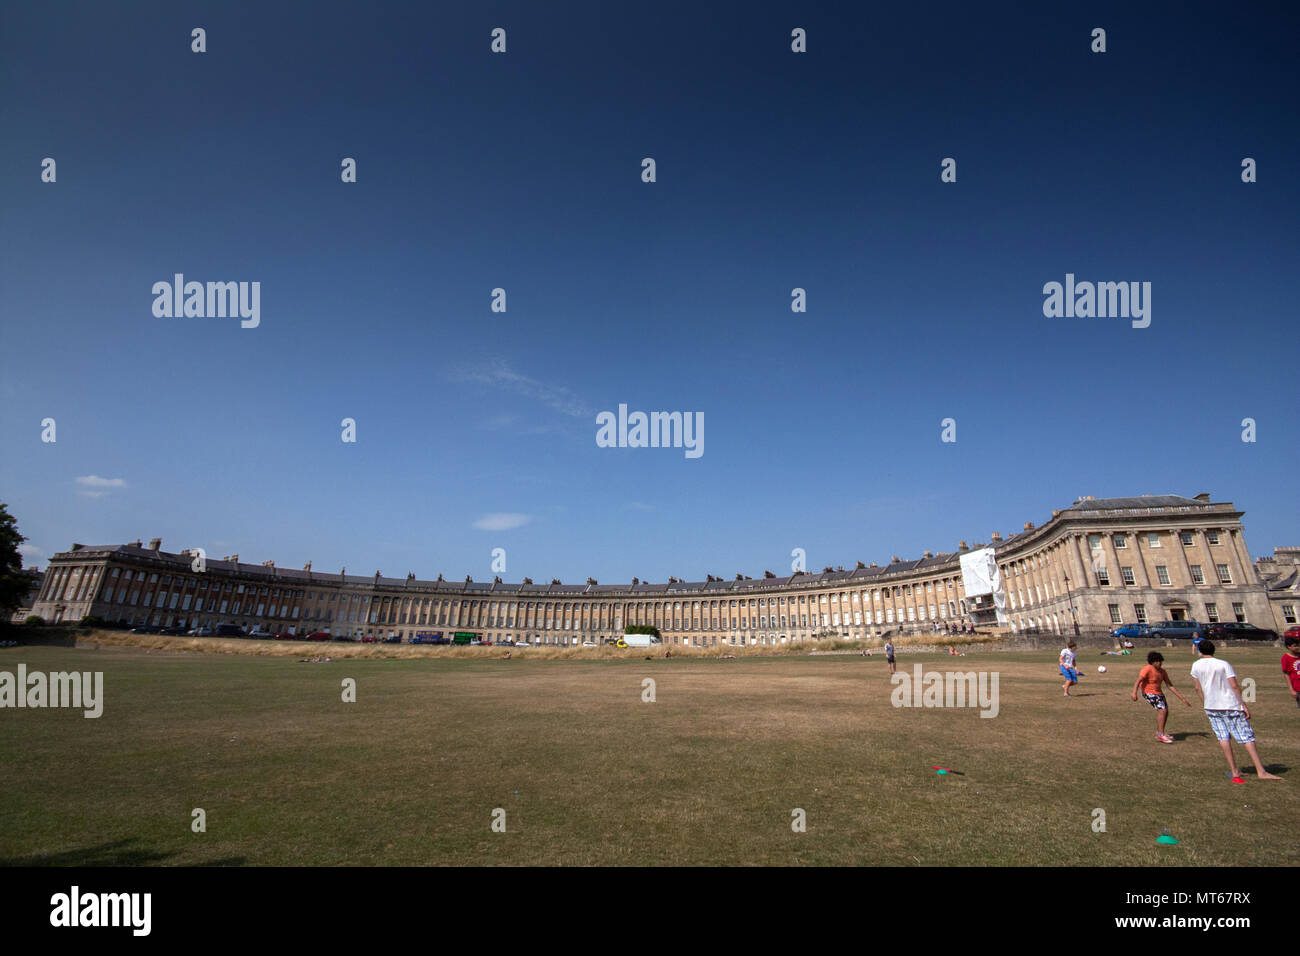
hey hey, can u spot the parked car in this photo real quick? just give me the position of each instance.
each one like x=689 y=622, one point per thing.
x=260 y=631
x=393 y=639
x=588 y=643
x=1132 y=630
x=1292 y=632
x=173 y=631
x=204 y=631
x=522 y=644
x=1232 y=631
x=316 y=636
x=282 y=636
x=229 y=630
x=370 y=639
x=146 y=629
x=1187 y=629
x=427 y=639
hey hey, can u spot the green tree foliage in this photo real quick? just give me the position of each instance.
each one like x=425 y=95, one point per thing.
x=14 y=583
x=642 y=629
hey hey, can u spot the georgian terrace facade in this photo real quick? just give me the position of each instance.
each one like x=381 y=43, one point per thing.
x=1101 y=561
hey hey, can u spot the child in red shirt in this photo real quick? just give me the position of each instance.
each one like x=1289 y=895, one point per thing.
x=1150 y=679
x=1291 y=666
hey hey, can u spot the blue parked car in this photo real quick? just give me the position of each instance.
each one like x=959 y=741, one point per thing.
x=1188 y=629
x=1132 y=630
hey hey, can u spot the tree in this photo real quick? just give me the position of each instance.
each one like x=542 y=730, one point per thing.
x=14 y=582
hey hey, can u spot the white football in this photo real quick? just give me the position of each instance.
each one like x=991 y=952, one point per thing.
x=1101 y=669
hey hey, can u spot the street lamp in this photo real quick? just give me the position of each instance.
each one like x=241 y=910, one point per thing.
x=1073 y=616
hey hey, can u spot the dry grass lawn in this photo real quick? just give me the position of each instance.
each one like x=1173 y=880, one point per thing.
x=588 y=773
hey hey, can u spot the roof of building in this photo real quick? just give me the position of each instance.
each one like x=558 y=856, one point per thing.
x=838 y=576
x=1143 y=501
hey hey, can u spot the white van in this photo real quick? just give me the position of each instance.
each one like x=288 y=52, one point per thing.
x=640 y=640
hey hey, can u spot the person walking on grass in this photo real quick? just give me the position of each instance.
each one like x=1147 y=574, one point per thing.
x=1149 y=681
x=1068 y=670
x=1291 y=667
x=889 y=654
x=1216 y=682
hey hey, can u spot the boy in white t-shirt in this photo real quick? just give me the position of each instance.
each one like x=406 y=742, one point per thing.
x=1068 y=669
x=1216 y=682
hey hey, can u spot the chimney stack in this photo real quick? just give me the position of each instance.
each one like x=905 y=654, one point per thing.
x=1029 y=526
x=155 y=544
x=1203 y=497
x=995 y=537
x=962 y=546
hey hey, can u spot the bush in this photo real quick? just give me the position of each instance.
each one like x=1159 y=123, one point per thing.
x=34 y=620
x=91 y=620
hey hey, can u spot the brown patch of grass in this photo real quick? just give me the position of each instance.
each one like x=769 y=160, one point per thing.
x=588 y=773
x=348 y=650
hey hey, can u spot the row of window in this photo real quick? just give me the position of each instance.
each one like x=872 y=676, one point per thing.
x=1162 y=575
x=1154 y=538
x=1211 y=613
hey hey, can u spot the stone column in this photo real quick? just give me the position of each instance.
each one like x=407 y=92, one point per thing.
x=1182 y=554
x=1248 y=576
x=1140 y=565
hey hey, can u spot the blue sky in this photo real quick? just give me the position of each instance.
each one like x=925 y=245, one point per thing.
x=775 y=170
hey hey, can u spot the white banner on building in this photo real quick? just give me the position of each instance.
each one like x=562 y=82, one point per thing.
x=980 y=576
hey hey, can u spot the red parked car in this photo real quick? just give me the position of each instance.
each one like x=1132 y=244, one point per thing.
x=315 y=636
x=1292 y=631
x=282 y=636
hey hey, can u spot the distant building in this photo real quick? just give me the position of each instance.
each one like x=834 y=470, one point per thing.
x=29 y=599
x=1281 y=576
x=1102 y=562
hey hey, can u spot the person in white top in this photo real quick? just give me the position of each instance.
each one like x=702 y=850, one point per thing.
x=1068 y=670
x=1216 y=682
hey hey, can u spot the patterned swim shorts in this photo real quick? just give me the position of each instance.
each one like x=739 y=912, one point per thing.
x=1232 y=722
x=1156 y=700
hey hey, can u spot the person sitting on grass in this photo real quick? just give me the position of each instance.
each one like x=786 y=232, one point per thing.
x=1216 y=682
x=1149 y=681
x=1068 y=670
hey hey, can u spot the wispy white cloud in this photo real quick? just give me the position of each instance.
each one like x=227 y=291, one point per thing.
x=31 y=554
x=502 y=522
x=93 y=486
x=497 y=373
x=94 y=481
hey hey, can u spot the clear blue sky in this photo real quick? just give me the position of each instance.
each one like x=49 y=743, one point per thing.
x=775 y=170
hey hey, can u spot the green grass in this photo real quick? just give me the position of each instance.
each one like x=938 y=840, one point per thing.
x=589 y=774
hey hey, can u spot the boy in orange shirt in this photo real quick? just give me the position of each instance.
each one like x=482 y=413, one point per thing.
x=1149 y=681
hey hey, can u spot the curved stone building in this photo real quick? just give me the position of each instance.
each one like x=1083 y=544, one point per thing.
x=1098 y=563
